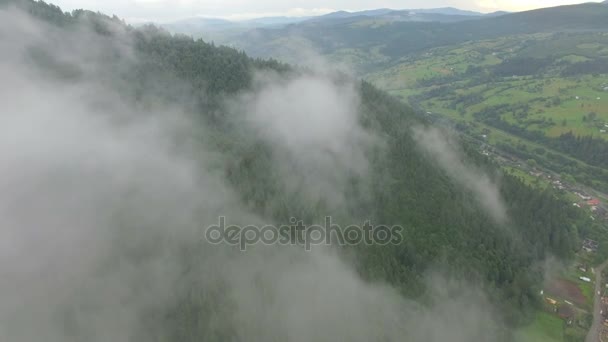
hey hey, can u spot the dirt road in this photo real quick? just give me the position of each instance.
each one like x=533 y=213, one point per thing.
x=596 y=327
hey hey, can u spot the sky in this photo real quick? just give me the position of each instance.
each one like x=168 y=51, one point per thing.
x=169 y=10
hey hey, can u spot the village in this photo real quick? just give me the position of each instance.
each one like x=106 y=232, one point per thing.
x=571 y=295
x=582 y=197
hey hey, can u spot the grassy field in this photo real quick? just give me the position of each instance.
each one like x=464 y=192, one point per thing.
x=518 y=91
x=545 y=328
x=554 y=104
x=586 y=288
x=527 y=178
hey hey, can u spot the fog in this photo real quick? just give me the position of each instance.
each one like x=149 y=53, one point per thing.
x=104 y=201
x=312 y=125
x=444 y=150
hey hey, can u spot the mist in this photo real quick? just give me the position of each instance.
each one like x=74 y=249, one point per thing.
x=311 y=122
x=444 y=150
x=104 y=201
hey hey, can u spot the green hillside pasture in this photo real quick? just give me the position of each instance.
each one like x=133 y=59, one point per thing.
x=545 y=328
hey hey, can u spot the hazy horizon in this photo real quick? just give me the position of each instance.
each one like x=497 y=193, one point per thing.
x=236 y=10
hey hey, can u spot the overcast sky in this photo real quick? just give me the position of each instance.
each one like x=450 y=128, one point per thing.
x=168 y=10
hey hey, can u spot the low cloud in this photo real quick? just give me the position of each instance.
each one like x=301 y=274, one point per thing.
x=312 y=124
x=444 y=150
x=292 y=12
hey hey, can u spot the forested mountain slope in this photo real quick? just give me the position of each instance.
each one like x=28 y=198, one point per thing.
x=258 y=142
x=536 y=75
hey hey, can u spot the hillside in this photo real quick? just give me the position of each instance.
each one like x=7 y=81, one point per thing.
x=236 y=33
x=221 y=27
x=121 y=145
x=374 y=42
x=545 y=64
x=543 y=88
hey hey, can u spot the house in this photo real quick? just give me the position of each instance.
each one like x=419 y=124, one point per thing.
x=593 y=202
x=590 y=245
x=585 y=279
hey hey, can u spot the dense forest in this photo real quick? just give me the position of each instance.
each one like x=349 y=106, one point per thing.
x=591 y=150
x=594 y=67
x=446 y=227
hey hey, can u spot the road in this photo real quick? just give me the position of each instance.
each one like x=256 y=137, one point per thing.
x=443 y=120
x=596 y=327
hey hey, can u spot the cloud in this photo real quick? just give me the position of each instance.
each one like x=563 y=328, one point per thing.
x=317 y=297
x=98 y=194
x=292 y=12
x=444 y=150
x=311 y=122
x=103 y=202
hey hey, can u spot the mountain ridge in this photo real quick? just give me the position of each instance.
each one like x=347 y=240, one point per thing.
x=398 y=37
x=216 y=24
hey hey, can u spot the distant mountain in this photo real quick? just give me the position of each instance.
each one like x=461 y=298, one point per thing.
x=386 y=11
x=383 y=16
x=447 y=14
x=365 y=41
x=447 y=11
x=219 y=28
x=415 y=16
x=391 y=33
x=346 y=14
x=200 y=25
x=498 y=13
x=270 y=21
